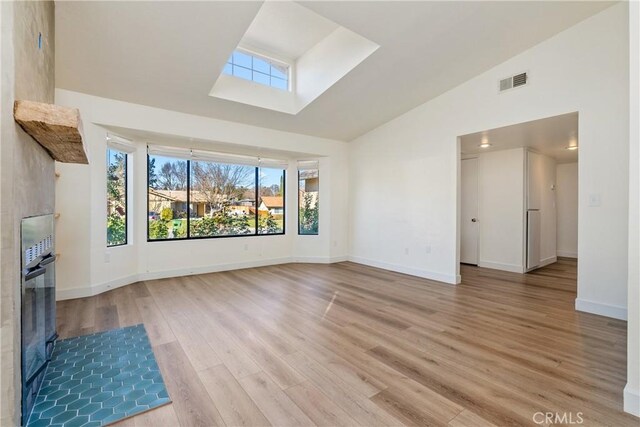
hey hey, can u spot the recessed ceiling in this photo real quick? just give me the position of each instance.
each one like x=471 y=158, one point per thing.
x=169 y=54
x=286 y=30
x=318 y=51
x=550 y=136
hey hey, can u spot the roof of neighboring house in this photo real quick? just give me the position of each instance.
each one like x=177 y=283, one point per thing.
x=162 y=194
x=180 y=195
x=273 y=201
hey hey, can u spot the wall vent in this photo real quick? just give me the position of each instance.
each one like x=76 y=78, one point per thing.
x=513 y=81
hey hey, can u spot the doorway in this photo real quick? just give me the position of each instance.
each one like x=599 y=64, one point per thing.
x=518 y=196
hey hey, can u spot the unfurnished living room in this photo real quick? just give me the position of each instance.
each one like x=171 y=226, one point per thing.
x=319 y=213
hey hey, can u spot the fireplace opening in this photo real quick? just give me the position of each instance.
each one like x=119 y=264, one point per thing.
x=38 y=305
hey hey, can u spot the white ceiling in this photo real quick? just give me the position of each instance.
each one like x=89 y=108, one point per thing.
x=550 y=136
x=169 y=54
x=286 y=30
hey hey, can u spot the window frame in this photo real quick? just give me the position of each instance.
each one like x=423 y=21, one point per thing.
x=257 y=196
x=298 y=204
x=266 y=58
x=126 y=196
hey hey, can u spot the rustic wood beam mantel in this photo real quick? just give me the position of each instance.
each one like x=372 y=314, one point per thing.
x=58 y=129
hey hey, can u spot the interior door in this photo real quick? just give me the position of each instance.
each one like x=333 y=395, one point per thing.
x=469 y=212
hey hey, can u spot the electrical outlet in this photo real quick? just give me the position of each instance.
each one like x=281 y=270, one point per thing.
x=107 y=257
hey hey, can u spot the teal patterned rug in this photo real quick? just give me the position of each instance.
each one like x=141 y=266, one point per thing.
x=98 y=379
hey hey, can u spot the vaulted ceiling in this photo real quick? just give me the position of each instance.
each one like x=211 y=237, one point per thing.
x=169 y=54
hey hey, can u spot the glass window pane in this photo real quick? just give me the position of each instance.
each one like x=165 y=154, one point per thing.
x=279 y=83
x=308 y=201
x=243 y=73
x=280 y=72
x=242 y=59
x=222 y=199
x=271 y=198
x=261 y=78
x=167 y=196
x=259 y=70
x=261 y=65
x=116 y=198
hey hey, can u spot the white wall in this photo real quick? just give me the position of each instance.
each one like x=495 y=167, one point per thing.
x=567 y=202
x=632 y=390
x=86 y=266
x=501 y=209
x=404 y=174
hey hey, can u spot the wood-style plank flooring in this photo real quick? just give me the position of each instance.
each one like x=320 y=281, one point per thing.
x=347 y=345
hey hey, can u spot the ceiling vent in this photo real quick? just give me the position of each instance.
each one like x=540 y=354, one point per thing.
x=513 y=81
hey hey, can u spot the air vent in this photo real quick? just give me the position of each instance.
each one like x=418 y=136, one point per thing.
x=513 y=81
x=520 y=79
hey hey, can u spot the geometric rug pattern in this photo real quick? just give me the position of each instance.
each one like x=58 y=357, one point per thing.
x=98 y=379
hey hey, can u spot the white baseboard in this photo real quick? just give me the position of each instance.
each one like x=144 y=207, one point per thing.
x=64 y=294
x=89 y=291
x=440 y=277
x=513 y=268
x=631 y=401
x=166 y=274
x=614 y=311
x=566 y=254
x=319 y=260
x=548 y=261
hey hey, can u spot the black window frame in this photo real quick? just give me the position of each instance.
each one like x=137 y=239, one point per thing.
x=298 y=206
x=126 y=196
x=257 y=196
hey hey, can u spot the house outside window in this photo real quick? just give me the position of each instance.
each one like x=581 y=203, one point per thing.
x=204 y=195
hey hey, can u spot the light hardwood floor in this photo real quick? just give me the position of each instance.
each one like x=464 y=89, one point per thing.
x=346 y=345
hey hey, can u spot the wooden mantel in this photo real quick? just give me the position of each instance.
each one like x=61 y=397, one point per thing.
x=58 y=129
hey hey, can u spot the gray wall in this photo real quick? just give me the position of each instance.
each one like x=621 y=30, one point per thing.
x=26 y=171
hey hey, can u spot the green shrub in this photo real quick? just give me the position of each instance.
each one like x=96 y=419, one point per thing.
x=267 y=224
x=158 y=229
x=166 y=214
x=308 y=216
x=222 y=223
x=116 y=229
x=204 y=227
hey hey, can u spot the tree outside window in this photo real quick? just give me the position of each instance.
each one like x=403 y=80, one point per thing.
x=116 y=198
x=308 y=201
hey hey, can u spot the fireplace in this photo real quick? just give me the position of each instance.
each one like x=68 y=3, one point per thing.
x=38 y=305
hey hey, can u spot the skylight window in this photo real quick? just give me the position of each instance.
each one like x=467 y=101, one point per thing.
x=258 y=69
